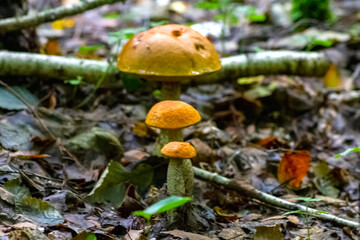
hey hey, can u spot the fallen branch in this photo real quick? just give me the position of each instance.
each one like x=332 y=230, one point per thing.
x=31 y=20
x=248 y=190
x=264 y=63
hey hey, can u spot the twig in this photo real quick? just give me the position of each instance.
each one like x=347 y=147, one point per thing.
x=35 y=113
x=31 y=20
x=33 y=110
x=250 y=191
x=263 y=63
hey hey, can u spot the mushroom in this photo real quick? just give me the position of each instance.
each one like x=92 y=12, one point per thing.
x=170 y=54
x=180 y=175
x=171 y=117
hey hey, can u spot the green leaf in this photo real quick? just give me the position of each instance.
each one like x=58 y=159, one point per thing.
x=77 y=81
x=115 y=37
x=292 y=212
x=112 y=185
x=257 y=17
x=111 y=15
x=209 y=5
x=163 y=206
x=85 y=49
x=347 y=151
x=36 y=209
x=11 y=102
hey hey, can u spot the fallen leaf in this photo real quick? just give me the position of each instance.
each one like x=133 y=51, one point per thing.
x=134 y=235
x=270 y=143
x=232 y=234
x=332 y=78
x=225 y=215
x=141 y=129
x=52 y=47
x=63 y=23
x=34 y=208
x=268 y=232
x=324 y=181
x=188 y=235
x=293 y=167
x=112 y=185
x=10 y=101
x=133 y=156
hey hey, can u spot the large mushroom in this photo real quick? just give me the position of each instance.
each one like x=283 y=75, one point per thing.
x=171 y=117
x=170 y=54
x=180 y=175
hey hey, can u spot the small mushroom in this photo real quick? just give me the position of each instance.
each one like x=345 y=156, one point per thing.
x=170 y=54
x=171 y=117
x=180 y=175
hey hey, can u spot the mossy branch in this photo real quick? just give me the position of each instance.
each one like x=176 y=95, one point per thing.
x=264 y=63
x=32 y=20
x=249 y=191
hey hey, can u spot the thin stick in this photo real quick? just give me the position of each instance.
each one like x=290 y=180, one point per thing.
x=250 y=191
x=32 y=20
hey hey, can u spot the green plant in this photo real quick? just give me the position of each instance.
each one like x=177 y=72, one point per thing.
x=164 y=205
x=229 y=12
x=306 y=213
x=347 y=151
x=312 y=9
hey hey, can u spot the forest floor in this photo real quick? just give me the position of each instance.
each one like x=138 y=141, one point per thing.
x=56 y=142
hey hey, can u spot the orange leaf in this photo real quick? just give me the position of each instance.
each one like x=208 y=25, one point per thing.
x=52 y=47
x=270 y=143
x=293 y=167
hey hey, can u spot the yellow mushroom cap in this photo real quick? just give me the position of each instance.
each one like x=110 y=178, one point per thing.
x=172 y=115
x=179 y=150
x=169 y=53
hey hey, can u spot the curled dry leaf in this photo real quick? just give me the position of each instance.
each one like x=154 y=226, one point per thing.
x=293 y=167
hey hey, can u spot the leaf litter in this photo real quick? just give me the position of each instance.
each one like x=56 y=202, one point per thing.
x=91 y=179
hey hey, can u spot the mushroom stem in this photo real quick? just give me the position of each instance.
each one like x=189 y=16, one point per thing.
x=170 y=91
x=180 y=177
x=165 y=137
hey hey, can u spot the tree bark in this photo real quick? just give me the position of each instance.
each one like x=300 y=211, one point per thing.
x=18 y=23
x=265 y=63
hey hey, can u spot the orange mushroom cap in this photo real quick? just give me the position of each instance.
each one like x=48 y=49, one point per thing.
x=172 y=115
x=179 y=150
x=169 y=53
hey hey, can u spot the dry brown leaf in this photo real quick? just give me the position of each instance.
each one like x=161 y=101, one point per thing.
x=190 y=236
x=293 y=167
x=270 y=143
x=230 y=217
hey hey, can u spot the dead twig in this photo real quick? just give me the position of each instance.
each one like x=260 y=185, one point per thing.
x=250 y=191
x=262 y=63
x=32 y=20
